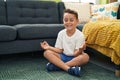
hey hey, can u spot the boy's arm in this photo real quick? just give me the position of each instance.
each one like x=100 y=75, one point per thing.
x=44 y=45
x=57 y=50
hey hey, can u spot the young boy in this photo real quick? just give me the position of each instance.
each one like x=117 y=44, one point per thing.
x=68 y=54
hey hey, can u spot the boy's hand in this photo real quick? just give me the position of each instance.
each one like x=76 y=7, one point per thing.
x=84 y=46
x=80 y=50
x=44 y=45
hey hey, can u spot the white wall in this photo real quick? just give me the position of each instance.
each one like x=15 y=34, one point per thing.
x=70 y=0
x=86 y=1
x=92 y=1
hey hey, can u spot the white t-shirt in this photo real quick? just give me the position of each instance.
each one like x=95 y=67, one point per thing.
x=69 y=44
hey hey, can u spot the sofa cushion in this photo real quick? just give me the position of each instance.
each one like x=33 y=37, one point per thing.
x=36 y=31
x=83 y=10
x=104 y=12
x=2 y=12
x=7 y=33
x=61 y=8
x=32 y=12
x=80 y=26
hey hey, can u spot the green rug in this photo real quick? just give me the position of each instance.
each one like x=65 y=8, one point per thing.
x=30 y=66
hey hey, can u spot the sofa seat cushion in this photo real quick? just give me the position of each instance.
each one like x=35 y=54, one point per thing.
x=7 y=33
x=36 y=31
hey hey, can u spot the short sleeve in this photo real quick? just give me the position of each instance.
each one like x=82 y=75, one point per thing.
x=80 y=41
x=59 y=42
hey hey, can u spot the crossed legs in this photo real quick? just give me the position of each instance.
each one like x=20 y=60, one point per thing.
x=55 y=58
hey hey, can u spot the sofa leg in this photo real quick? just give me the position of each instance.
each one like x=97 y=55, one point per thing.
x=117 y=71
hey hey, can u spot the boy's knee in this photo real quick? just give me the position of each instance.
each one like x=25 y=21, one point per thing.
x=46 y=52
x=86 y=57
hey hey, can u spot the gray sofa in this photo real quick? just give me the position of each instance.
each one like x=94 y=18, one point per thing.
x=24 y=24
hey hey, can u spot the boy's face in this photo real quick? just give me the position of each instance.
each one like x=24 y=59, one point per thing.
x=70 y=21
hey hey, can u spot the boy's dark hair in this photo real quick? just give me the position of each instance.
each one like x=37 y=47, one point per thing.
x=71 y=12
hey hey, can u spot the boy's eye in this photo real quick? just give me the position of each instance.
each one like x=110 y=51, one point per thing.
x=66 y=20
x=71 y=20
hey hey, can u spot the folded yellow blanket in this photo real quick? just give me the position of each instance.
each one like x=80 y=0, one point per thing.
x=104 y=34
